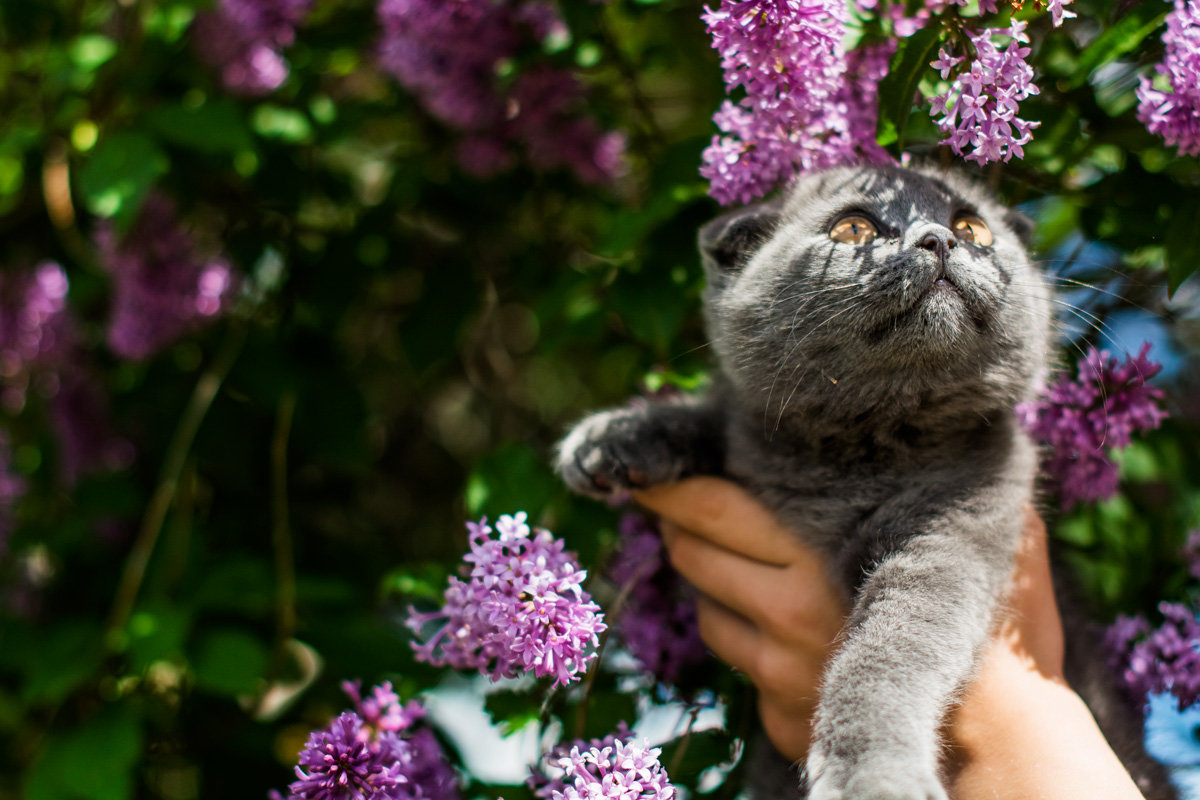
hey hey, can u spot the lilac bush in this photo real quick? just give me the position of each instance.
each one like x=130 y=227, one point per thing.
x=1157 y=660
x=542 y=112
x=657 y=623
x=521 y=609
x=36 y=332
x=1083 y=420
x=165 y=282
x=1175 y=114
x=245 y=39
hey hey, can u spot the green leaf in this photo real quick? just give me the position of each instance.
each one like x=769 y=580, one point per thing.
x=1183 y=244
x=57 y=660
x=511 y=710
x=93 y=761
x=157 y=634
x=214 y=126
x=91 y=51
x=230 y=662
x=511 y=478
x=897 y=90
x=118 y=174
x=1122 y=37
x=276 y=122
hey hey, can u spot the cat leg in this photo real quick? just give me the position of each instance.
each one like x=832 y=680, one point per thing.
x=643 y=445
x=911 y=642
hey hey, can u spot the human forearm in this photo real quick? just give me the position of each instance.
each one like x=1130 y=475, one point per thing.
x=1021 y=734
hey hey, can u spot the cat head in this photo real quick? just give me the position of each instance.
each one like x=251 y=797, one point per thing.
x=875 y=289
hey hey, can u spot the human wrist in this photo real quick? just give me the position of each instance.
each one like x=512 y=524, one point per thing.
x=1023 y=733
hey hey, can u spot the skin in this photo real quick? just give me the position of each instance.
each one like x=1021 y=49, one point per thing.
x=768 y=608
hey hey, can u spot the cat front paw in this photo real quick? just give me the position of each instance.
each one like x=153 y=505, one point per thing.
x=878 y=783
x=613 y=452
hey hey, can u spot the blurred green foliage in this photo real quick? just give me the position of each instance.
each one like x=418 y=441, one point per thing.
x=434 y=334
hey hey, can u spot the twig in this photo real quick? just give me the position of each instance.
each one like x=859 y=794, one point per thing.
x=677 y=759
x=168 y=481
x=589 y=679
x=281 y=535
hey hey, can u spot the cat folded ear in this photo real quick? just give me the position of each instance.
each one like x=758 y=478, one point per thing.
x=728 y=241
x=1022 y=225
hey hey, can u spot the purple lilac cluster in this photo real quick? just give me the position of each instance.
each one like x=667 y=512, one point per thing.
x=799 y=112
x=164 y=284
x=39 y=349
x=244 y=39
x=36 y=332
x=345 y=762
x=373 y=753
x=657 y=623
x=1163 y=659
x=522 y=608
x=614 y=768
x=541 y=111
x=1175 y=115
x=382 y=711
x=12 y=488
x=1085 y=419
x=979 y=109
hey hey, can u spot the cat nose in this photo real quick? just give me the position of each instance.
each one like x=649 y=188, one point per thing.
x=940 y=241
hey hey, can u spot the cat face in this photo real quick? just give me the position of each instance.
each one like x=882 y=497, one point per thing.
x=870 y=282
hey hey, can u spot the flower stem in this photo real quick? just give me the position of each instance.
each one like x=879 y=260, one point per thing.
x=168 y=482
x=281 y=534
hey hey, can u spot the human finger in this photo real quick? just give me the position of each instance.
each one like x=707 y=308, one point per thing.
x=1032 y=625
x=724 y=513
x=796 y=604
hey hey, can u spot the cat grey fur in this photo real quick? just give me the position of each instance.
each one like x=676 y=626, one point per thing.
x=865 y=393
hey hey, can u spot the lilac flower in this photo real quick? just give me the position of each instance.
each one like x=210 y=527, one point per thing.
x=427 y=769
x=798 y=111
x=164 y=285
x=979 y=109
x=344 y=762
x=36 y=332
x=522 y=608
x=657 y=623
x=617 y=771
x=243 y=38
x=1175 y=115
x=12 y=489
x=1085 y=419
x=546 y=782
x=80 y=416
x=542 y=112
x=1164 y=659
x=378 y=751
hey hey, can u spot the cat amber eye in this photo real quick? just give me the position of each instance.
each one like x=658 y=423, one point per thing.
x=853 y=230
x=971 y=228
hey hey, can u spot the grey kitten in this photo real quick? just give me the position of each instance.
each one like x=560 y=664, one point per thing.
x=873 y=331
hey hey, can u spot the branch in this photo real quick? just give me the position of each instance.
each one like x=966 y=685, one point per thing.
x=168 y=482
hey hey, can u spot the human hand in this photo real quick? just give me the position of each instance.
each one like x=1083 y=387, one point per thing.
x=768 y=607
x=765 y=603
